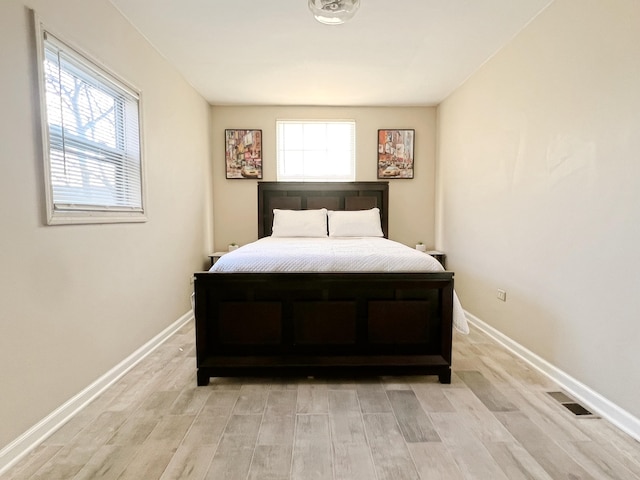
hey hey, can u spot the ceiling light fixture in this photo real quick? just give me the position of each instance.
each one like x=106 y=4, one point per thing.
x=333 y=12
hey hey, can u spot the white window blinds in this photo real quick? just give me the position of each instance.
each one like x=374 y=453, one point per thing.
x=94 y=167
x=316 y=150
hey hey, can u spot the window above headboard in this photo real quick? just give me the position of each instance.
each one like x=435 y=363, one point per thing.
x=316 y=150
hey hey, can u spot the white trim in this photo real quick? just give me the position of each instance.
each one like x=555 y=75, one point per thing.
x=589 y=397
x=29 y=440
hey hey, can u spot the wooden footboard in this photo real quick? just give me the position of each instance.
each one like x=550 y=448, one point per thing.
x=315 y=323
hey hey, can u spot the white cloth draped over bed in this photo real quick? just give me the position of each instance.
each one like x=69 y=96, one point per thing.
x=333 y=254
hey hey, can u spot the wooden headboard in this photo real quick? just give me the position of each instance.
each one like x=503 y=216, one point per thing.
x=313 y=195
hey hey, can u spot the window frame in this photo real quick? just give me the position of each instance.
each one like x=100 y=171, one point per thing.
x=79 y=213
x=281 y=177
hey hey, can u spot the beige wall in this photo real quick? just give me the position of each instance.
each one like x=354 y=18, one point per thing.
x=539 y=192
x=411 y=217
x=77 y=300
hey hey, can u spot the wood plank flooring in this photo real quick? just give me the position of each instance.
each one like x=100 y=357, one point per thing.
x=495 y=421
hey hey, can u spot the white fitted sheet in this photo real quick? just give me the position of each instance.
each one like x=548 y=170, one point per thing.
x=333 y=254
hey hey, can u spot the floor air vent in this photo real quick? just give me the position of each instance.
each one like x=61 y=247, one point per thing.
x=571 y=405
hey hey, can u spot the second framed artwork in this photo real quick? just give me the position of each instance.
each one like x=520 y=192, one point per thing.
x=395 y=153
x=243 y=153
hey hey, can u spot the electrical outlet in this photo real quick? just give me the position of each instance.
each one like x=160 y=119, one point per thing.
x=502 y=295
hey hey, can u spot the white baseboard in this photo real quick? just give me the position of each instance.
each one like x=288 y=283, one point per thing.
x=26 y=442
x=588 y=397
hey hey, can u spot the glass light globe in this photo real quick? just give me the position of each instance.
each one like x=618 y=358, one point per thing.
x=333 y=12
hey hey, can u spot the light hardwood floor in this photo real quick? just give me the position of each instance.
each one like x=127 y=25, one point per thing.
x=495 y=421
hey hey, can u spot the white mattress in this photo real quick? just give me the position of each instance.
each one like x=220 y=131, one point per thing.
x=331 y=254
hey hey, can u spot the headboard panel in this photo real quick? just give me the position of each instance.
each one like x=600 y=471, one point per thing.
x=314 y=195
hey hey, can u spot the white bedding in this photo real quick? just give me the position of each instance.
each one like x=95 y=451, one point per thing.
x=333 y=254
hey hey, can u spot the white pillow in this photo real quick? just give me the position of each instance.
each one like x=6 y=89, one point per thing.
x=299 y=223
x=356 y=223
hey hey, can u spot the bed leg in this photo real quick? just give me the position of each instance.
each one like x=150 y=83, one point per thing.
x=203 y=378
x=445 y=377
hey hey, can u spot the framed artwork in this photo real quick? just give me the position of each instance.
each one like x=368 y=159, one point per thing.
x=243 y=154
x=395 y=153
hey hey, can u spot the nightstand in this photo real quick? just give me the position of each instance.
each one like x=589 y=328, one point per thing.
x=440 y=256
x=215 y=256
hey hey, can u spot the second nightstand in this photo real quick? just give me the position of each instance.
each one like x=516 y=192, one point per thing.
x=440 y=256
x=215 y=256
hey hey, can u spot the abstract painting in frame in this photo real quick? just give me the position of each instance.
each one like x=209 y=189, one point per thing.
x=243 y=154
x=395 y=153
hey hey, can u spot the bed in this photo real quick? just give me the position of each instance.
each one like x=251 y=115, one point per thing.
x=254 y=317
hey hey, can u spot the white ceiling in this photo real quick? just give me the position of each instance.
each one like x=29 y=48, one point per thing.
x=273 y=52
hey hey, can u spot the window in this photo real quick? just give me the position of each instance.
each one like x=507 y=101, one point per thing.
x=91 y=132
x=316 y=150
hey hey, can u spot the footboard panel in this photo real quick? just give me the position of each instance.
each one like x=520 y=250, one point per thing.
x=314 y=323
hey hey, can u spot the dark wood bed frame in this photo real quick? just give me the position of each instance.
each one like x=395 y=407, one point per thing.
x=311 y=324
